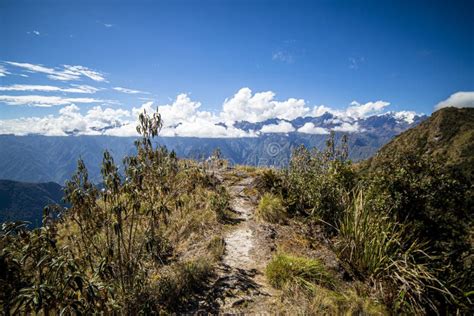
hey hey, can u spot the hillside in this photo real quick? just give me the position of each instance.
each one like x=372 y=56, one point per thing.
x=448 y=135
x=25 y=201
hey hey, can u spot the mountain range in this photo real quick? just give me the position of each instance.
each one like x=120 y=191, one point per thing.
x=38 y=158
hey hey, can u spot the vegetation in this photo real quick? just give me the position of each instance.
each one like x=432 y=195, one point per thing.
x=390 y=236
x=310 y=289
x=121 y=248
x=402 y=227
x=284 y=269
x=316 y=182
x=271 y=209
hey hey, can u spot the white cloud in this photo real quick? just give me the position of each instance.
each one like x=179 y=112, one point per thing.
x=69 y=120
x=107 y=25
x=129 y=91
x=67 y=73
x=43 y=101
x=462 y=99
x=3 y=71
x=348 y=128
x=358 y=111
x=310 y=128
x=320 y=110
x=46 y=88
x=244 y=106
x=182 y=116
x=281 y=127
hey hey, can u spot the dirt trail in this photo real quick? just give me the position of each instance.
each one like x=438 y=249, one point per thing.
x=241 y=286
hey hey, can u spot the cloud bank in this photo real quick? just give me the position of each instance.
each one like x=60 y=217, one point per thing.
x=183 y=116
x=462 y=99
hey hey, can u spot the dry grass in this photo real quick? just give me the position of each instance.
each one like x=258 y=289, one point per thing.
x=271 y=209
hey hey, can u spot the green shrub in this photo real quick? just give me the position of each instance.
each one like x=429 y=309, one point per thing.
x=219 y=203
x=285 y=269
x=436 y=204
x=271 y=209
x=315 y=182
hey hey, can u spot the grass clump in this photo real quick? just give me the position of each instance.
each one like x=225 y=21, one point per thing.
x=309 y=289
x=322 y=301
x=286 y=269
x=271 y=209
x=216 y=247
x=378 y=248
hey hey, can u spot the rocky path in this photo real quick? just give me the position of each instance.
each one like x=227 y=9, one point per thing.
x=241 y=287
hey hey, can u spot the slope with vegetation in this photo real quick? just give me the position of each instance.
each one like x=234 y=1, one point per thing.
x=322 y=236
x=24 y=201
x=448 y=136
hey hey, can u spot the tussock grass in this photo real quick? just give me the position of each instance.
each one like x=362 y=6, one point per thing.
x=271 y=209
x=286 y=269
x=216 y=247
x=377 y=247
x=323 y=301
x=308 y=288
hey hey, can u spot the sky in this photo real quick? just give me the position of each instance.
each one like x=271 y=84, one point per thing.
x=206 y=62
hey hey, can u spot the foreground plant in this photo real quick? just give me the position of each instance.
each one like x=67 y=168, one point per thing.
x=380 y=249
x=117 y=249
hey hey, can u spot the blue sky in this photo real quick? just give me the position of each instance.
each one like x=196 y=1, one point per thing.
x=412 y=54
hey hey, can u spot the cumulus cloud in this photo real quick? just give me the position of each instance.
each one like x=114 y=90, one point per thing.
x=462 y=99
x=66 y=73
x=258 y=107
x=310 y=128
x=182 y=116
x=46 y=88
x=69 y=120
x=358 y=111
x=43 y=101
x=281 y=127
x=320 y=110
x=129 y=91
x=347 y=128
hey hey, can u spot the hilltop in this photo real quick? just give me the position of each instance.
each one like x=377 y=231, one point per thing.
x=447 y=135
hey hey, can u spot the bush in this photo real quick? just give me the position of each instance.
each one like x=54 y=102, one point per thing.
x=436 y=204
x=285 y=269
x=271 y=209
x=316 y=181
